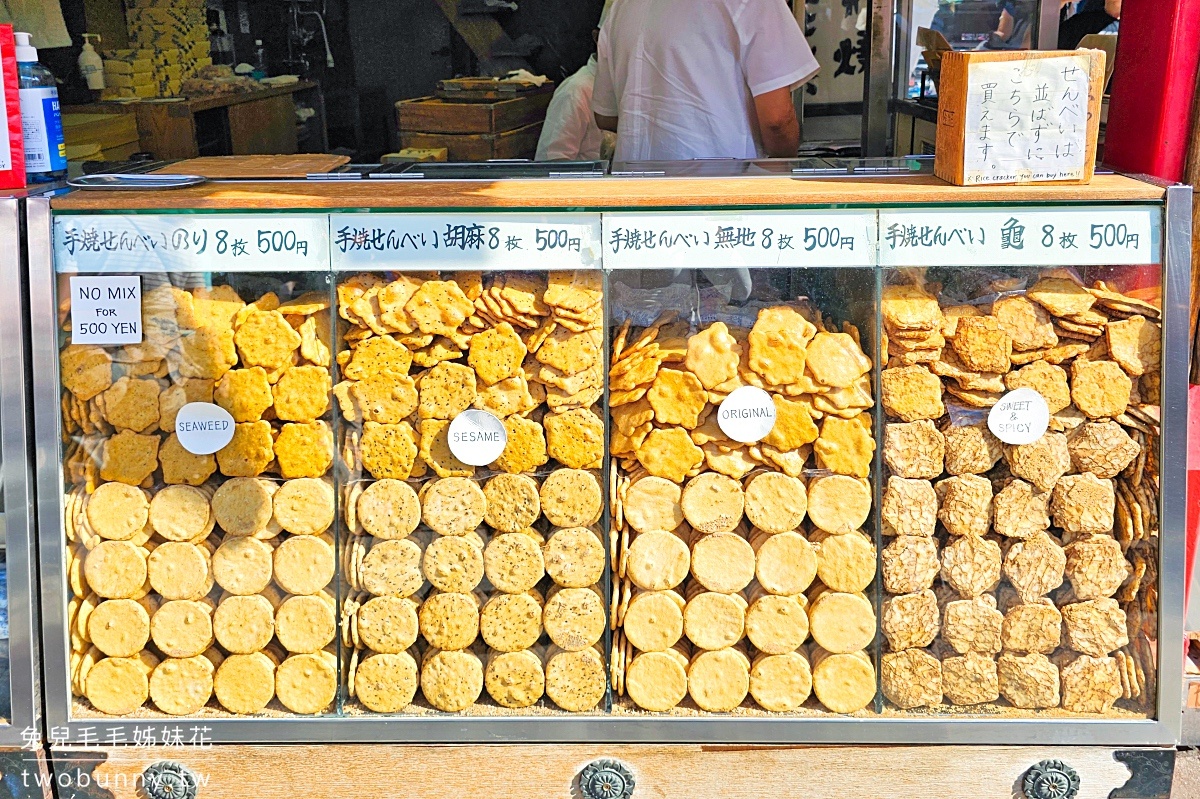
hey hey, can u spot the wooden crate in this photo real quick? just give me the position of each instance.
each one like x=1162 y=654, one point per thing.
x=433 y=115
x=519 y=143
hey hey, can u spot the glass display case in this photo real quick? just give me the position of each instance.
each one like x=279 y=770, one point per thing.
x=20 y=703
x=853 y=461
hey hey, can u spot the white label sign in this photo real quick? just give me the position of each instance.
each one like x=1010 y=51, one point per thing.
x=1021 y=236
x=746 y=415
x=1026 y=120
x=1020 y=417
x=467 y=241
x=106 y=310
x=686 y=241
x=191 y=243
x=477 y=437
x=203 y=428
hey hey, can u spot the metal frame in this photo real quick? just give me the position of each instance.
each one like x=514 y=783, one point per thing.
x=20 y=554
x=1164 y=730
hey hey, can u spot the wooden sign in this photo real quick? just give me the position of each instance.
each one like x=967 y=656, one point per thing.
x=1019 y=117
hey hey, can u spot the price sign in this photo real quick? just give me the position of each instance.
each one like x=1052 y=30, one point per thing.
x=191 y=243
x=467 y=241
x=1021 y=236
x=686 y=241
x=106 y=310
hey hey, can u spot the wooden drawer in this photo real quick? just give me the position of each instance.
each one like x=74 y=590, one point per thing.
x=519 y=143
x=431 y=115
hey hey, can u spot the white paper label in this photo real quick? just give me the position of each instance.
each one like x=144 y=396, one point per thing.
x=477 y=437
x=1020 y=417
x=1021 y=236
x=466 y=241
x=1026 y=120
x=106 y=310
x=203 y=428
x=191 y=243
x=746 y=415
x=687 y=241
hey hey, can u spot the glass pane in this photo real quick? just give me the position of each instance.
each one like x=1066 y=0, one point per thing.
x=741 y=438
x=473 y=446
x=198 y=496
x=1020 y=511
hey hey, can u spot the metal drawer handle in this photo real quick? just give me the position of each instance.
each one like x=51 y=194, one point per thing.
x=606 y=779
x=169 y=780
x=1050 y=779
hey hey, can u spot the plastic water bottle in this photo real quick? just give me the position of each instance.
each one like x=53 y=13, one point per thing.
x=41 y=121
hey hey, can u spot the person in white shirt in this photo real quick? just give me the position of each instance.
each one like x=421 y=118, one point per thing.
x=686 y=79
x=569 y=132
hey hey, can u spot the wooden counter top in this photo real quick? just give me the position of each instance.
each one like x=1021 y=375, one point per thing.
x=598 y=193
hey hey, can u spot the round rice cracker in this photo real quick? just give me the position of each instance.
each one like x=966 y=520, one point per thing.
x=776 y=624
x=838 y=503
x=305 y=624
x=656 y=681
x=386 y=682
x=245 y=684
x=654 y=621
x=775 y=503
x=392 y=568
x=449 y=620
x=842 y=623
x=182 y=628
x=243 y=566
x=574 y=618
x=515 y=679
x=781 y=683
x=243 y=505
x=513 y=562
x=571 y=498
x=388 y=624
x=453 y=564
x=511 y=622
x=244 y=624
x=453 y=505
x=714 y=621
x=575 y=680
x=180 y=570
x=451 y=681
x=119 y=627
x=512 y=502
x=180 y=512
x=304 y=564
x=574 y=557
x=712 y=503
x=117 y=511
x=182 y=686
x=718 y=681
x=389 y=509
x=117 y=686
x=844 y=683
x=786 y=564
x=723 y=562
x=845 y=563
x=307 y=683
x=304 y=506
x=116 y=569
x=657 y=560
x=653 y=503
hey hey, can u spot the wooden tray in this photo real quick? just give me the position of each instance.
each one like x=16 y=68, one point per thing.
x=434 y=115
x=255 y=166
x=519 y=143
x=476 y=90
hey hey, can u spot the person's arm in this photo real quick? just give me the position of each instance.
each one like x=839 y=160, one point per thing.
x=777 y=123
x=1004 y=28
x=606 y=123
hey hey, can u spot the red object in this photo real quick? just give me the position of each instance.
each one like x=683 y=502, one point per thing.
x=14 y=176
x=1193 y=485
x=1150 y=112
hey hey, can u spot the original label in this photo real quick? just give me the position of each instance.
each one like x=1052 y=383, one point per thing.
x=746 y=415
x=1021 y=236
x=466 y=241
x=106 y=310
x=203 y=428
x=674 y=241
x=1020 y=417
x=477 y=437
x=191 y=243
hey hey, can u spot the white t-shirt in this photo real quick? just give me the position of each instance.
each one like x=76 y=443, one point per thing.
x=681 y=75
x=570 y=131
